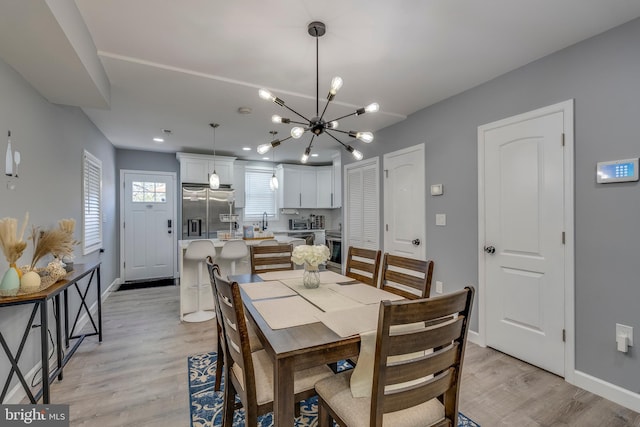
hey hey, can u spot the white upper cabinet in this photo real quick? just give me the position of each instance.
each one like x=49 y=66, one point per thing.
x=297 y=186
x=238 y=182
x=195 y=168
x=336 y=201
x=324 y=177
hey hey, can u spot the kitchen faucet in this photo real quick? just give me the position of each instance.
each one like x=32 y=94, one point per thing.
x=264 y=221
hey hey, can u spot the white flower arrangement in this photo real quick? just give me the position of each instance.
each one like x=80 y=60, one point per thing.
x=312 y=255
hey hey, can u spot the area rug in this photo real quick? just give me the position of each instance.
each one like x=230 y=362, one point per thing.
x=205 y=404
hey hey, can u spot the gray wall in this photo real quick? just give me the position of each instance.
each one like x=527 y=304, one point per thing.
x=51 y=139
x=602 y=74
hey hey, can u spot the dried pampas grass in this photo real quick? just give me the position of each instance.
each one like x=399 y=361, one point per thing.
x=11 y=242
x=57 y=242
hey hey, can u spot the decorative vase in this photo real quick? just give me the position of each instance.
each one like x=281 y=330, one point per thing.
x=30 y=282
x=10 y=283
x=311 y=276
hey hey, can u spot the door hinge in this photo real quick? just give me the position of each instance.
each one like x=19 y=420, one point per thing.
x=124 y=184
x=124 y=264
x=563 y=139
x=386 y=173
x=564 y=335
x=386 y=227
x=123 y=224
x=563 y=236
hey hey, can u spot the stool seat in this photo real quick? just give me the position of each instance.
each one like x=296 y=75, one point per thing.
x=234 y=250
x=199 y=250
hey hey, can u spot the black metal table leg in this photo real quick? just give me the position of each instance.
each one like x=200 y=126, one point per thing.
x=66 y=319
x=14 y=360
x=99 y=306
x=56 y=300
x=44 y=327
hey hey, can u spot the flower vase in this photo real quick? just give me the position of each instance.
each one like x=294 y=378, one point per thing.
x=10 y=283
x=311 y=276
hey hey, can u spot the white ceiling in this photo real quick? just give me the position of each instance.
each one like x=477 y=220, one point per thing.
x=181 y=65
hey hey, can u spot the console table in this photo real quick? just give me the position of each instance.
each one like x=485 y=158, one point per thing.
x=39 y=300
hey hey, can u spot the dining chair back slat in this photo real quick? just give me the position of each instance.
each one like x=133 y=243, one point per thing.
x=215 y=269
x=363 y=265
x=407 y=277
x=271 y=258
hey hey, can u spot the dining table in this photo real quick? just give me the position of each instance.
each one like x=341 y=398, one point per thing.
x=301 y=328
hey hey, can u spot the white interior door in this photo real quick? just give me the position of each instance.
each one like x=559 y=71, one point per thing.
x=362 y=211
x=404 y=202
x=149 y=225
x=524 y=226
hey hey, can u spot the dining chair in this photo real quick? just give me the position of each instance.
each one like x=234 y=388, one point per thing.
x=402 y=276
x=416 y=369
x=254 y=341
x=271 y=258
x=249 y=375
x=363 y=265
x=198 y=250
x=233 y=251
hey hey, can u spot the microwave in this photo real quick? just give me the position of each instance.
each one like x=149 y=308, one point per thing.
x=298 y=224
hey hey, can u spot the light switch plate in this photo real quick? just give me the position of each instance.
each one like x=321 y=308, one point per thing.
x=436 y=190
x=439 y=287
x=625 y=330
x=441 y=219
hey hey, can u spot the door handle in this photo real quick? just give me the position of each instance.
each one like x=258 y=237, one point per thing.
x=490 y=250
x=416 y=242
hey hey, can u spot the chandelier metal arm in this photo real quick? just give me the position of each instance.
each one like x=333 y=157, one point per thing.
x=296 y=113
x=344 y=117
x=339 y=142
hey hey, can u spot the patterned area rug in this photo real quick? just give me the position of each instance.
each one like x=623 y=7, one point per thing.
x=206 y=404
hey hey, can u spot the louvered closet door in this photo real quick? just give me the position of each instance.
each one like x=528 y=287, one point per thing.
x=362 y=205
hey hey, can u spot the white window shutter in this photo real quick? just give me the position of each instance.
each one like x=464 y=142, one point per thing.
x=92 y=199
x=259 y=197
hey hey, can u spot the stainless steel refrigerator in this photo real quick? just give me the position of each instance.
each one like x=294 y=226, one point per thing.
x=201 y=211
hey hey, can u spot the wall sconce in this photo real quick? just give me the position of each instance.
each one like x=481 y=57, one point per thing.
x=12 y=161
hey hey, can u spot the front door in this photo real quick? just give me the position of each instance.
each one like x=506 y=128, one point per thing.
x=149 y=245
x=524 y=236
x=404 y=202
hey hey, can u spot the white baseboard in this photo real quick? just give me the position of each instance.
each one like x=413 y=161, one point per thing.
x=474 y=337
x=17 y=393
x=609 y=391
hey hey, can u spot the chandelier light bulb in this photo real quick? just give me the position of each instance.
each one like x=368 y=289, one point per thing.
x=366 y=137
x=297 y=132
x=356 y=154
x=276 y=118
x=214 y=181
x=336 y=84
x=333 y=125
x=265 y=94
x=305 y=156
x=263 y=148
x=372 y=108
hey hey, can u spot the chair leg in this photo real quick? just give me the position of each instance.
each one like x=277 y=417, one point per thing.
x=233 y=267
x=219 y=362
x=323 y=415
x=229 y=401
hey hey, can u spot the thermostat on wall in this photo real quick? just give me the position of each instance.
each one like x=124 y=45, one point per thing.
x=617 y=171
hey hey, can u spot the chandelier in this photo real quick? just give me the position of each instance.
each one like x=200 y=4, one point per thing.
x=318 y=125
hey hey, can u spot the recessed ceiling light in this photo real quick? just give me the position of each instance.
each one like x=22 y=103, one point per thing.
x=314 y=155
x=158 y=140
x=266 y=158
x=246 y=148
x=244 y=110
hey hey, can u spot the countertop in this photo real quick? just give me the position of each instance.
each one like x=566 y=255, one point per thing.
x=182 y=244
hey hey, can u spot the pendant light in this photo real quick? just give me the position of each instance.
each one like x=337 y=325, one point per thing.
x=214 y=179
x=318 y=125
x=273 y=183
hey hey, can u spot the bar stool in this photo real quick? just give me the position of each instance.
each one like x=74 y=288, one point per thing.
x=198 y=250
x=234 y=250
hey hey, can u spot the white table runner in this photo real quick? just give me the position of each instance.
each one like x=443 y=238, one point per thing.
x=263 y=290
x=280 y=275
x=280 y=313
x=352 y=321
x=364 y=294
x=323 y=297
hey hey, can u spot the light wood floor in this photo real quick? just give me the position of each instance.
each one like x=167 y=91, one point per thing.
x=138 y=375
